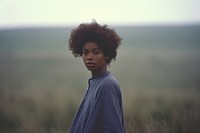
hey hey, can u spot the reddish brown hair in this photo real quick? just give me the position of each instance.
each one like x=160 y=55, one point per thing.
x=106 y=38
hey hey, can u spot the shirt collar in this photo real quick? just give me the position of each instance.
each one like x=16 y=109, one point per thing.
x=100 y=75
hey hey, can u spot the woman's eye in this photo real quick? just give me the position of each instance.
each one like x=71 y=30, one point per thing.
x=84 y=52
x=96 y=52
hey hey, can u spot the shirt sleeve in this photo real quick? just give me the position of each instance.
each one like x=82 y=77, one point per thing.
x=110 y=111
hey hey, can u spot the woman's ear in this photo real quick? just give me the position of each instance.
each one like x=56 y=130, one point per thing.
x=107 y=59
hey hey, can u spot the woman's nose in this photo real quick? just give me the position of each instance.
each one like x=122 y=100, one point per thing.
x=89 y=56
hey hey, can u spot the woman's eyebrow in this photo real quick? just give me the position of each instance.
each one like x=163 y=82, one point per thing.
x=96 y=49
x=84 y=49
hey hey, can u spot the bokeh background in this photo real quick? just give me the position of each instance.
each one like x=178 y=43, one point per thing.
x=158 y=63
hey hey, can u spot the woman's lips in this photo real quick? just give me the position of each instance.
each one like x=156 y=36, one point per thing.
x=90 y=65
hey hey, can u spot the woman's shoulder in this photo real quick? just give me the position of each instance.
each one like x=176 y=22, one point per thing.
x=109 y=80
x=109 y=84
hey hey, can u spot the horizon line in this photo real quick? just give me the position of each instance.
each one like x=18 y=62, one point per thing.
x=35 y=26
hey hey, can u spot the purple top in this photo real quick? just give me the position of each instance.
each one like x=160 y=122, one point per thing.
x=101 y=109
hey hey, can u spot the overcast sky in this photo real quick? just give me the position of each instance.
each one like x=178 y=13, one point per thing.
x=72 y=12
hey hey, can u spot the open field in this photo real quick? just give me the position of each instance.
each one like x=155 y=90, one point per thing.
x=42 y=84
x=146 y=111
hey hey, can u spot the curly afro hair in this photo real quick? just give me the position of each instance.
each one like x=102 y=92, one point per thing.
x=106 y=38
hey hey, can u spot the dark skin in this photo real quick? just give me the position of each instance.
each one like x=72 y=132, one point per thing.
x=94 y=58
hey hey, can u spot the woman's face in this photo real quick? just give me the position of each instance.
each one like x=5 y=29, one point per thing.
x=94 y=58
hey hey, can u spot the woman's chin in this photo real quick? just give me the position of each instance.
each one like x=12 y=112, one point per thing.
x=91 y=68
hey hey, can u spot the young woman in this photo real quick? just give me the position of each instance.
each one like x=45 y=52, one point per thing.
x=101 y=109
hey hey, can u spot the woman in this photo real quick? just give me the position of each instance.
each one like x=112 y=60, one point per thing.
x=101 y=109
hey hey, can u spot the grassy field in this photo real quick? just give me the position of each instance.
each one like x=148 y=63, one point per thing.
x=146 y=111
x=42 y=95
x=41 y=87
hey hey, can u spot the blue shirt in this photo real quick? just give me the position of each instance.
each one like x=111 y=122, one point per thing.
x=101 y=109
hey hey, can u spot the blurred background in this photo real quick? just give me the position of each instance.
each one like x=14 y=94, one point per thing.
x=158 y=63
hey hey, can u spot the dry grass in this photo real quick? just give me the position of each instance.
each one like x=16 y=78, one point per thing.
x=146 y=111
x=163 y=111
